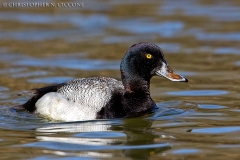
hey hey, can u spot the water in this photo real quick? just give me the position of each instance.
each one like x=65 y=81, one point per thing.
x=195 y=120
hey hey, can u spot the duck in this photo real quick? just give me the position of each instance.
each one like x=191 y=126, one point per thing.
x=104 y=97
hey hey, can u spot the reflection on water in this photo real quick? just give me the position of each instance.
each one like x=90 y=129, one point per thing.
x=218 y=130
x=221 y=11
x=218 y=36
x=198 y=93
x=200 y=39
x=185 y=151
x=165 y=29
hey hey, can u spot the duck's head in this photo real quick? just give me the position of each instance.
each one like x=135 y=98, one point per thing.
x=144 y=60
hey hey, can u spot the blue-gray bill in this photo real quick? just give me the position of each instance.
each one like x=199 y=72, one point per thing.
x=167 y=72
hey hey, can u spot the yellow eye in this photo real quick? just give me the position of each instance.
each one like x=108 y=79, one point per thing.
x=148 y=56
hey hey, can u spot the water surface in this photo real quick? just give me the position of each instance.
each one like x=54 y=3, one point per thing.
x=200 y=39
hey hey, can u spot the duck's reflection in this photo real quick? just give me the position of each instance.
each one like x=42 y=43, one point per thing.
x=130 y=137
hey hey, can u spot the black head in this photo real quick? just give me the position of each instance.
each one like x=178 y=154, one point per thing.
x=144 y=60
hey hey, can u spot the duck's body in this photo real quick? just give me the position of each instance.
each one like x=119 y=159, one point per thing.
x=102 y=97
x=81 y=99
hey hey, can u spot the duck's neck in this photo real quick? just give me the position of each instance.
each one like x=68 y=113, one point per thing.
x=136 y=98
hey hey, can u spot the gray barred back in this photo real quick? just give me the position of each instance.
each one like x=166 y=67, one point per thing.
x=93 y=92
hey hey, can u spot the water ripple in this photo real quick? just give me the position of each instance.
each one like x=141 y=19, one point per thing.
x=50 y=80
x=211 y=106
x=198 y=93
x=216 y=130
x=219 y=12
x=69 y=61
x=185 y=151
x=56 y=144
x=165 y=29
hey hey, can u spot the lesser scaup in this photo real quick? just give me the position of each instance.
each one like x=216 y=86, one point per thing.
x=102 y=97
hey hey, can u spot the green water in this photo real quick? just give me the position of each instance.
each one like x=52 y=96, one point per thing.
x=40 y=46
